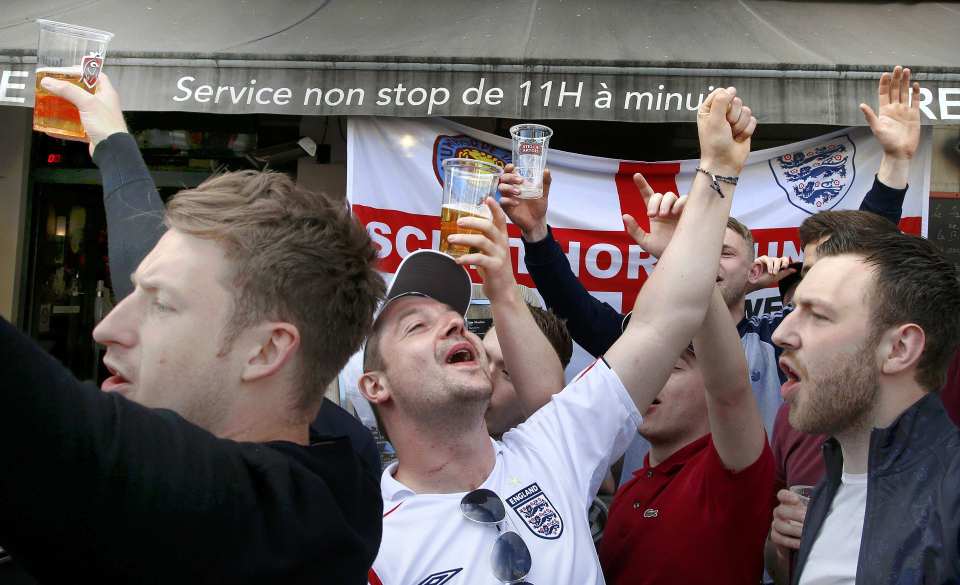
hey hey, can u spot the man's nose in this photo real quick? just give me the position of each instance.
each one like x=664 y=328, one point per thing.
x=118 y=327
x=785 y=335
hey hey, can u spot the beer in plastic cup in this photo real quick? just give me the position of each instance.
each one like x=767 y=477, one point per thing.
x=804 y=491
x=466 y=184
x=530 y=145
x=74 y=54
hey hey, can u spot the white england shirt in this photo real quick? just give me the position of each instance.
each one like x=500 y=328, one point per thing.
x=546 y=472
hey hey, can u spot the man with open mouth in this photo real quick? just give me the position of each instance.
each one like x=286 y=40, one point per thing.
x=876 y=323
x=463 y=508
x=197 y=465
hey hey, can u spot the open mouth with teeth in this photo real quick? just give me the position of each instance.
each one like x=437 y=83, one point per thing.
x=462 y=353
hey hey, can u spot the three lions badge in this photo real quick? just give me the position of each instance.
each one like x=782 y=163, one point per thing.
x=537 y=512
x=819 y=177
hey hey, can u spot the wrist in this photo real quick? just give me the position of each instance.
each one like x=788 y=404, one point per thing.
x=96 y=139
x=894 y=172
x=535 y=233
x=505 y=295
x=721 y=167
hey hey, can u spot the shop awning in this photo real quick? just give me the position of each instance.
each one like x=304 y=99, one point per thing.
x=794 y=62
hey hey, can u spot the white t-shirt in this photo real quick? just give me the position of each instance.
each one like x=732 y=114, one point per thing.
x=545 y=472
x=833 y=558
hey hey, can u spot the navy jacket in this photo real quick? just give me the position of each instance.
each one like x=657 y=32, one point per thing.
x=912 y=521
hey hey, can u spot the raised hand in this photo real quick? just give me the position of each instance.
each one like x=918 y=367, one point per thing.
x=100 y=112
x=493 y=256
x=663 y=209
x=768 y=271
x=530 y=215
x=725 y=127
x=896 y=124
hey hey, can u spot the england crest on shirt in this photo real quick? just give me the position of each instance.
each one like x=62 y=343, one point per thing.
x=819 y=177
x=537 y=512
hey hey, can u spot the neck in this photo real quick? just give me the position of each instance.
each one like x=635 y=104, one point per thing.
x=855 y=444
x=261 y=415
x=437 y=460
x=298 y=433
x=660 y=451
x=894 y=396
x=738 y=310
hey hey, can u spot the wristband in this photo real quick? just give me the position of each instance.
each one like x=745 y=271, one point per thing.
x=717 y=179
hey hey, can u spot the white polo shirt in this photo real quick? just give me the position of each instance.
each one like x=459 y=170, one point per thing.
x=547 y=471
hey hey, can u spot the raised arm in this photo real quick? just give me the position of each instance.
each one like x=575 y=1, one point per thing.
x=593 y=324
x=133 y=205
x=533 y=364
x=896 y=125
x=673 y=302
x=735 y=423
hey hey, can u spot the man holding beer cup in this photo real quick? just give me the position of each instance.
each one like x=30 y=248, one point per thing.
x=454 y=492
x=196 y=463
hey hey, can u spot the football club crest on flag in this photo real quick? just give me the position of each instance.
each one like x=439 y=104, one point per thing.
x=817 y=178
x=534 y=508
x=462 y=146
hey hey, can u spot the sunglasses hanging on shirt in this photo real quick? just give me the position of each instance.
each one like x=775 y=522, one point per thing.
x=510 y=558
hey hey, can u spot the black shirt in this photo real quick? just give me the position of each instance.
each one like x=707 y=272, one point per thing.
x=97 y=488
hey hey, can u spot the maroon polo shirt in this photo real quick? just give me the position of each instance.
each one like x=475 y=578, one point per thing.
x=798 y=456
x=690 y=520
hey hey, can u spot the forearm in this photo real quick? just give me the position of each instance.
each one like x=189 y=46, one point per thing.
x=593 y=324
x=720 y=355
x=894 y=171
x=683 y=280
x=534 y=366
x=735 y=422
x=685 y=275
x=884 y=200
x=133 y=205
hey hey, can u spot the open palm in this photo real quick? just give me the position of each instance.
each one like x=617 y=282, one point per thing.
x=896 y=124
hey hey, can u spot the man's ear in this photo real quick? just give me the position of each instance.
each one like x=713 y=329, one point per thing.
x=901 y=348
x=756 y=272
x=275 y=344
x=374 y=387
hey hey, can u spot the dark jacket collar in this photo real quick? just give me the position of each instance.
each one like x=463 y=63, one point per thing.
x=920 y=425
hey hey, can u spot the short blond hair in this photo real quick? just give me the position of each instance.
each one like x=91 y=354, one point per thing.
x=298 y=256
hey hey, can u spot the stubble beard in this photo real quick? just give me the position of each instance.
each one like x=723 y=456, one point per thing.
x=842 y=397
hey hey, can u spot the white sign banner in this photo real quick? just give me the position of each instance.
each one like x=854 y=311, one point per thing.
x=394 y=185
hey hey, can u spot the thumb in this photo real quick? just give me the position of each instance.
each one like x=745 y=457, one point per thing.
x=871 y=117
x=547 y=179
x=633 y=228
x=67 y=91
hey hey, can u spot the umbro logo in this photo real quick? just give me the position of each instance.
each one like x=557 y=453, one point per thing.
x=440 y=578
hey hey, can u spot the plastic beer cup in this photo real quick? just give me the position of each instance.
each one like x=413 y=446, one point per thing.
x=530 y=145
x=804 y=491
x=466 y=184
x=71 y=53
